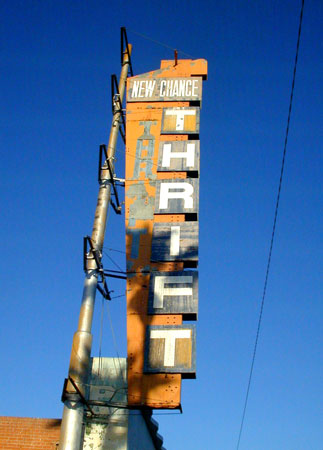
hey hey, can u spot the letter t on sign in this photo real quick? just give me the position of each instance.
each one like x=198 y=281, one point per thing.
x=170 y=349
x=181 y=120
x=180 y=116
x=170 y=337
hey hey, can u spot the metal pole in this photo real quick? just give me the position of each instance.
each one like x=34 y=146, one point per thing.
x=72 y=421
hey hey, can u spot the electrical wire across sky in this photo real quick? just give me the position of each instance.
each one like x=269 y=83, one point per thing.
x=272 y=234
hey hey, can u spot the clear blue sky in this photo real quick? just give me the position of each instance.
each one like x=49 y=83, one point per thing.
x=56 y=61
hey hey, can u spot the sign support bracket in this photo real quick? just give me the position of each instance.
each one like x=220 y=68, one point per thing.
x=99 y=266
x=73 y=414
x=107 y=165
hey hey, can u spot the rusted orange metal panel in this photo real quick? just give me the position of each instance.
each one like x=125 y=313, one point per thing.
x=144 y=121
x=184 y=68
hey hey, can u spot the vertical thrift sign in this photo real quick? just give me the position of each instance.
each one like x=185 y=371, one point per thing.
x=162 y=201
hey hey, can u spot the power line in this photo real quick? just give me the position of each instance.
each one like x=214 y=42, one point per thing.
x=114 y=250
x=118 y=296
x=273 y=229
x=159 y=43
x=113 y=261
x=100 y=335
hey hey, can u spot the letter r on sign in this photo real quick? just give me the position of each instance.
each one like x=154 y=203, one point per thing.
x=176 y=191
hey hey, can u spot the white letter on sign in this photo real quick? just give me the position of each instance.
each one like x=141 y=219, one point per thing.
x=180 y=114
x=188 y=88
x=168 y=154
x=162 y=88
x=170 y=337
x=150 y=86
x=175 y=233
x=186 y=191
x=160 y=291
x=135 y=89
x=195 y=88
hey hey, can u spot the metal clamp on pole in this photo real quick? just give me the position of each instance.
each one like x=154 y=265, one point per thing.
x=107 y=166
x=88 y=249
x=116 y=274
x=127 y=52
x=116 y=105
x=86 y=253
x=75 y=394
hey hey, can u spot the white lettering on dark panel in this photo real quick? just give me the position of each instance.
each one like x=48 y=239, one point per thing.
x=175 y=233
x=170 y=191
x=178 y=88
x=144 y=88
x=189 y=155
x=161 y=89
x=170 y=337
x=161 y=290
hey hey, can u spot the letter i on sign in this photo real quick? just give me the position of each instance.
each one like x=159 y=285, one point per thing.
x=174 y=240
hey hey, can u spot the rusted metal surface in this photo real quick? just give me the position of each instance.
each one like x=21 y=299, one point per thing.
x=160 y=388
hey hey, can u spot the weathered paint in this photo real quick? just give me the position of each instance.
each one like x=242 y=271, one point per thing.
x=184 y=232
x=144 y=135
x=175 y=196
x=181 y=120
x=143 y=131
x=179 y=156
x=183 y=68
x=174 y=293
x=171 y=349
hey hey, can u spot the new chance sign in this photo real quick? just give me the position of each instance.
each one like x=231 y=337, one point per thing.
x=162 y=204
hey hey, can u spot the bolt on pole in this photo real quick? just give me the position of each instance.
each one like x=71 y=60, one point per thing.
x=72 y=421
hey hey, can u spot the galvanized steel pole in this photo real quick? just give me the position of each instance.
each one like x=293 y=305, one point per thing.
x=72 y=421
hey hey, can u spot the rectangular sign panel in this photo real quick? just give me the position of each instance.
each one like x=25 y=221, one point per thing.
x=181 y=120
x=171 y=349
x=175 y=241
x=164 y=89
x=177 y=196
x=174 y=293
x=179 y=156
x=161 y=193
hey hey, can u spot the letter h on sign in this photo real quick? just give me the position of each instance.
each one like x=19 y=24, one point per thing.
x=179 y=156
